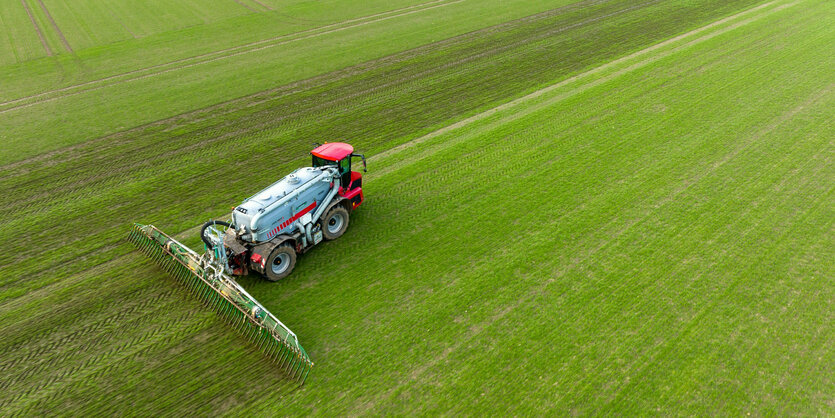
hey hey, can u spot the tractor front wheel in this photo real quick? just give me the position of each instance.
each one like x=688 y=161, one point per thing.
x=280 y=263
x=335 y=222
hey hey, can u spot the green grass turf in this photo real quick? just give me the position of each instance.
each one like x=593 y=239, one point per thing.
x=371 y=114
x=154 y=92
x=156 y=44
x=19 y=41
x=91 y=23
x=655 y=236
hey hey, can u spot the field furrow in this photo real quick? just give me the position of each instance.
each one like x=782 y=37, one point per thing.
x=233 y=132
x=602 y=207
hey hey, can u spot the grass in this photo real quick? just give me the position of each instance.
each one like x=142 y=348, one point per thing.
x=157 y=93
x=20 y=40
x=652 y=236
x=89 y=23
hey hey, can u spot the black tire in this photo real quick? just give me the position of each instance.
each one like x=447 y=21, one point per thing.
x=335 y=222
x=208 y=224
x=280 y=262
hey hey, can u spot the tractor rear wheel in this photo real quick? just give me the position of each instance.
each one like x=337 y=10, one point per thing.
x=335 y=222
x=280 y=262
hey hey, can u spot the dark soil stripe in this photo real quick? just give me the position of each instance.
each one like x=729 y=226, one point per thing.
x=121 y=23
x=242 y=4
x=372 y=105
x=263 y=5
x=318 y=81
x=54 y=25
x=37 y=28
x=160 y=68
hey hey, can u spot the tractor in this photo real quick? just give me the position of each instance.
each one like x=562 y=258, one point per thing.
x=265 y=234
x=289 y=217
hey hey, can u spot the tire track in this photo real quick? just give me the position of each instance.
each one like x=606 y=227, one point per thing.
x=101 y=363
x=37 y=29
x=263 y=5
x=576 y=261
x=201 y=59
x=115 y=17
x=65 y=350
x=244 y=5
x=136 y=361
x=586 y=74
x=190 y=159
x=37 y=347
x=55 y=26
x=84 y=180
x=293 y=88
x=105 y=360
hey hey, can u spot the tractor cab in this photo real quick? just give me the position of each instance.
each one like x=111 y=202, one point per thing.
x=340 y=155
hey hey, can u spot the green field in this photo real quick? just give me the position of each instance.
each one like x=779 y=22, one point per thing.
x=594 y=207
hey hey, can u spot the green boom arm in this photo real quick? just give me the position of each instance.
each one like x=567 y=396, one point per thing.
x=222 y=293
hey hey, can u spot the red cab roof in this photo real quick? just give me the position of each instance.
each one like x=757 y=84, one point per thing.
x=333 y=151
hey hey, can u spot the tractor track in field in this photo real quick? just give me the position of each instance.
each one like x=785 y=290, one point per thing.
x=159 y=69
x=184 y=326
x=504 y=311
x=291 y=88
x=38 y=360
x=71 y=371
x=37 y=29
x=55 y=26
x=247 y=7
x=117 y=180
x=70 y=183
x=271 y=379
x=263 y=5
x=115 y=17
x=148 y=164
x=572 y=79
x=98 y=363
x=138 y=302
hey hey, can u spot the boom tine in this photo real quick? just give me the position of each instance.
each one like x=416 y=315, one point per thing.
x=262 y=339
x=298 y=370
x=293 y=366
x=288 y=356
x=268 y=346
x=279 y=354
x=259 y=344
x=277 y=346
x=219 y=292
x=307 y=372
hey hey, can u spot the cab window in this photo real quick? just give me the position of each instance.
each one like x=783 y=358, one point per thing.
x=345 y=165
x=318 y=161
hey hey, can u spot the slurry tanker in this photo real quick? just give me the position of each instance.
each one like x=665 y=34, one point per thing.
x=264 y=235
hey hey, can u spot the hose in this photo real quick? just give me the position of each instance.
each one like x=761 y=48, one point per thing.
x=208 y=224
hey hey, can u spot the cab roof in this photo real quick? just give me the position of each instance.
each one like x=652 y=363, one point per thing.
x=333 y=151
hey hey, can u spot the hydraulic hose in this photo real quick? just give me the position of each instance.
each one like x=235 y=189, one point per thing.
x=208 y=224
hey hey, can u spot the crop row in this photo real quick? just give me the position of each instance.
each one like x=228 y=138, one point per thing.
x=145 y=154
x=534 y=261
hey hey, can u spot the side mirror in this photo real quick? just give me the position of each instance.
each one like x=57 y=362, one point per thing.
x=364 y=166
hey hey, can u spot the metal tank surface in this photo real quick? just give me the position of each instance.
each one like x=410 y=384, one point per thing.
x=276 y=209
